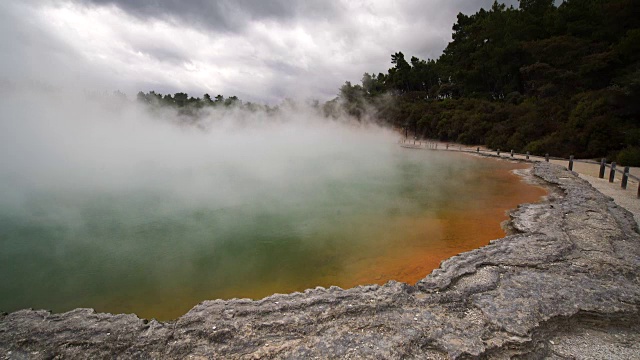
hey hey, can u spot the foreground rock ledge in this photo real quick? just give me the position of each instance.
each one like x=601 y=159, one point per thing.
x=567 y=284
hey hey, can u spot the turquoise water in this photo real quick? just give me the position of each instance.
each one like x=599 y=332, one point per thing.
x=163 y=245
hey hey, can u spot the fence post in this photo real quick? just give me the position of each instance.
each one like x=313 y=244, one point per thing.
x=602 y=163
x=612 y=174
x=571 y=163
x=546 y=157
x=498 y=152
x=527 y=155
x=478 y=149
x=625 y=178
x=511 y=153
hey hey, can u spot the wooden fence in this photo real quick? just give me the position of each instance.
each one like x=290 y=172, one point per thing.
x=432 y=145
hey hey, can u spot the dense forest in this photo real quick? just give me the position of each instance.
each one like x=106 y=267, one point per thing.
x=542 y=78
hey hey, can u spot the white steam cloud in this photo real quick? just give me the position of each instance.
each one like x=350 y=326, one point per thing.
x=70 y=143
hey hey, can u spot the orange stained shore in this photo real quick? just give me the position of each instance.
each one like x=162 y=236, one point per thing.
x=450 y=233
x=421 y=243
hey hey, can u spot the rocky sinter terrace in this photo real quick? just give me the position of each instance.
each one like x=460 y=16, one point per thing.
x=565 y=285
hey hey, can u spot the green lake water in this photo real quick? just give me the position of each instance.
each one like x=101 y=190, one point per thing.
x=181 y=236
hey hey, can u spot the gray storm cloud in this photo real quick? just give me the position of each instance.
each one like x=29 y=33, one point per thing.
x=261 y=51
x=226 y=15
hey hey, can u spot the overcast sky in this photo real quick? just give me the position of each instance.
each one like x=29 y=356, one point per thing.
x=258 y=50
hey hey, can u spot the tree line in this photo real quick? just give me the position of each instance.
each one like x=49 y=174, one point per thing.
x=541 y=78
x=191 y=106
x=181 y=99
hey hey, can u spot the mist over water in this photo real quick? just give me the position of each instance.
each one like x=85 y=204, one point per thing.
x=105 y=204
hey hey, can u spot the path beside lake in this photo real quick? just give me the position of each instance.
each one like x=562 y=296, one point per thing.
x=626 y=198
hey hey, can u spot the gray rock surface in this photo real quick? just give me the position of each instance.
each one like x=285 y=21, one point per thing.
x=565 y=285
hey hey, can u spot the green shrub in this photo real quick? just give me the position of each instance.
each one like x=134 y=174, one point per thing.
x=629 y=156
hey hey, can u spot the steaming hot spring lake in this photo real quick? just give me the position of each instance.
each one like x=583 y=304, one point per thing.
x=127 y=221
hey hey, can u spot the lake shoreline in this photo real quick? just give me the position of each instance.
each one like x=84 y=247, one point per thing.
x=568 y=276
